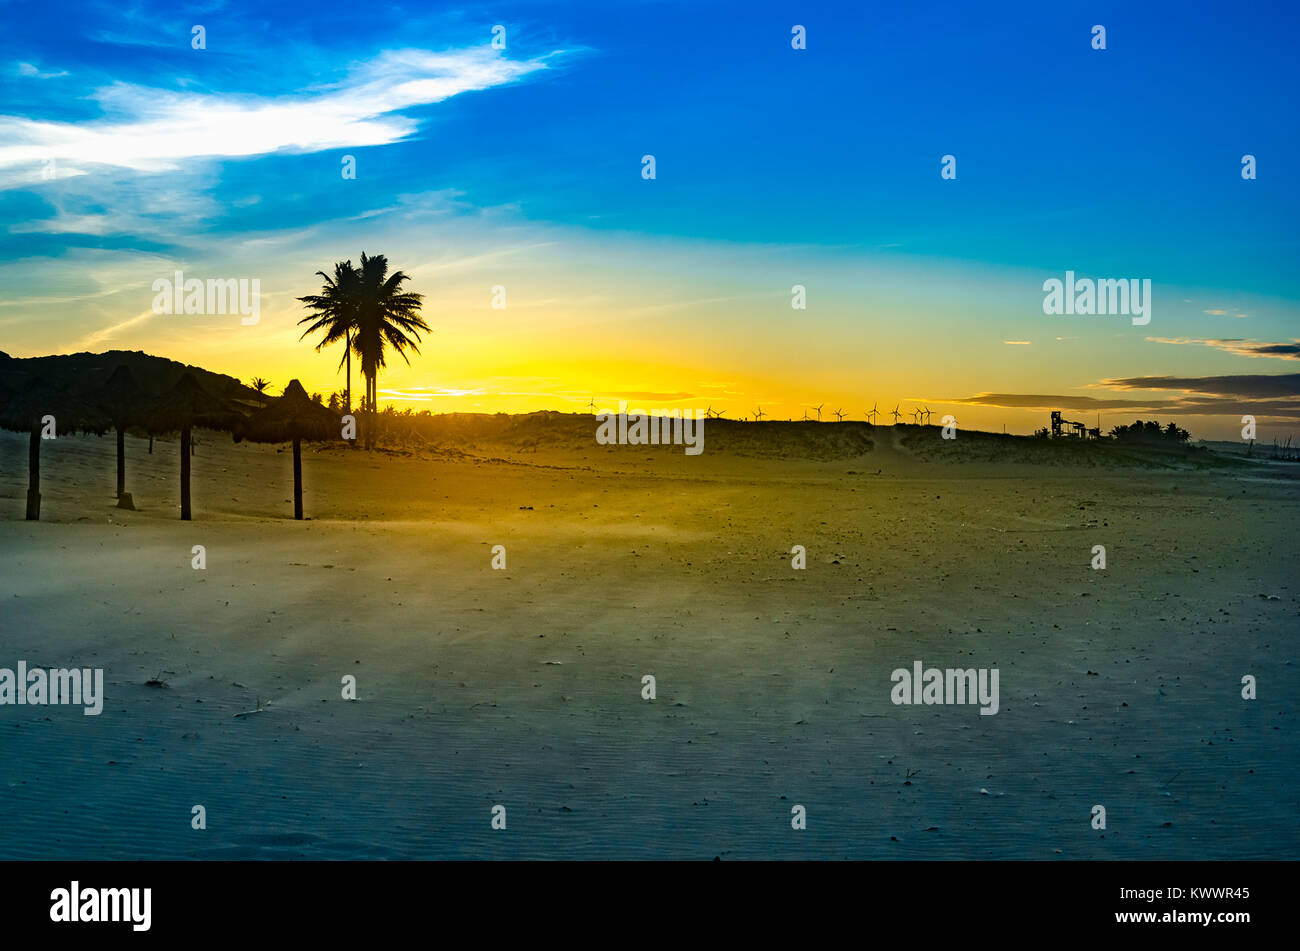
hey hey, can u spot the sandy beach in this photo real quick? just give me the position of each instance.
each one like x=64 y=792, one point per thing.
x=522 y=687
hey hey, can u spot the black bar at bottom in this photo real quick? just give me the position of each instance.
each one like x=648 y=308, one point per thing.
x=963 y=900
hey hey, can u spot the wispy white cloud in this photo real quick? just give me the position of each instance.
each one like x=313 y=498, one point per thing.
x=33 y=72
x=66 y=224
x=149 y=129
x=1242 y=348
x=95 y=338
x=690 y=304
x=424 y=394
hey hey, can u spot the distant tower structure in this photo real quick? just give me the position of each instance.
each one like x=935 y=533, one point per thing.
x=1070 y=429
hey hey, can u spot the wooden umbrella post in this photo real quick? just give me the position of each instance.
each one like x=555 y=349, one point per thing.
x=34 y=475
x=121 y=461
x=297 y=478
x=292 y=418
x=185 y=474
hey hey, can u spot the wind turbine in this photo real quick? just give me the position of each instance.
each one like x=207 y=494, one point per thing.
x=916 y=416
x=759 y=414
x=871 y=417
x=896 y=414
x=839 y=415
x=927 y=414
x=805 y=416
x=708 y=413
x=818 y=407
x=592 y=405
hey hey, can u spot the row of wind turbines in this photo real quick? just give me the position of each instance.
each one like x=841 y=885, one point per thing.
x=920 y=415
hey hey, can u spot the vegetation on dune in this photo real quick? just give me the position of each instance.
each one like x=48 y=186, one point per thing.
x=1150 y=433
x=1161 y=452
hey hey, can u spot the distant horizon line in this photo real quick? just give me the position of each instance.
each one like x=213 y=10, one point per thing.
x=747 y=417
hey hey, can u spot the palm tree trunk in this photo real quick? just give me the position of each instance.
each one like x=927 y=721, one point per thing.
x=297 y=478
x=371 y=419
x=347 y=403
x=151 y=444
x=121 y=461
x=185 y=474
x=34 y=475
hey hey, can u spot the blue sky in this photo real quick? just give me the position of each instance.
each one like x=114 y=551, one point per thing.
x=1118 y=163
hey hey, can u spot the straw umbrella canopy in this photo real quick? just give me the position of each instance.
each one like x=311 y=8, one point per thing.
x=25 y=411
x=122 y=401
x=183 y=407
x=292 y=418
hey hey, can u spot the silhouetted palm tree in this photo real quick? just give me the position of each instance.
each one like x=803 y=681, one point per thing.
x=368 y=309
x=259 y=384
x=387 y=317
x=334 y=311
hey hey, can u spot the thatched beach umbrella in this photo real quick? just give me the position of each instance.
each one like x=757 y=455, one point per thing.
x=292 y=418
x=184 y=406
x=121 y=400
x=24 y=411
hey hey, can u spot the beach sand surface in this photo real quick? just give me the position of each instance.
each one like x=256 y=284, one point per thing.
x=523 y=687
